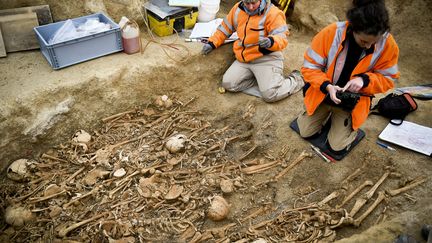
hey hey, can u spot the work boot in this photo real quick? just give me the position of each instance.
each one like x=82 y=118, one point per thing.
x=404 y=238
x=426 y=233
x=298 y=78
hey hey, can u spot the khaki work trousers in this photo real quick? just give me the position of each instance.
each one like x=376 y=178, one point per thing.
x=267 y=72
x=341 y=133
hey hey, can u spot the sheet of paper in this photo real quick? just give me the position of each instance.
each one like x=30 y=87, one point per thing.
x=201 y=30
x=205 y=30
x=409 y=135
x=184 y=3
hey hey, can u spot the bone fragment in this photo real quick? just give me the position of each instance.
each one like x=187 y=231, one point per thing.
x=357 y=190
x=406 y=188
x=73 y=175
x=218 y=145
x=370 y=193
x=381 y=216
x=380 y=198
x=258 y=168
x=254 y=214
x=63 y=232
x=247 y=153
x=352 y=175
x=96 y=189
x=40 y=199
x=118 y=188
x=111 y=147
x=189 y=101
x=360 y=202
x=46 y=156
x=330 y=197
x=117 y=115
x=259 y=225
x=42 y=185
x=303 y=155
x=343 y=221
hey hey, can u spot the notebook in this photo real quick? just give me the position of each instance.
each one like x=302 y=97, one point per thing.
x=409 y=135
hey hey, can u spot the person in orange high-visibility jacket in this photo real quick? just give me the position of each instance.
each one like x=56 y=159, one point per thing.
x=262 y=35
x=358 y=56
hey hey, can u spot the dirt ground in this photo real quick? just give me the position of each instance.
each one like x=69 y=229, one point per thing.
x=41 y=108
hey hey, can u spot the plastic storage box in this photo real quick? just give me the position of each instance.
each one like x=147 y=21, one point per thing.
x=63 y=54
x=163 y=27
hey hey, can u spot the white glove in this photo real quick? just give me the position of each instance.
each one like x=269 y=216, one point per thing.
x=265 y=42
x=207 y=48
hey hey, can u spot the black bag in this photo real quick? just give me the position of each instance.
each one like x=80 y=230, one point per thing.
x=395 y=106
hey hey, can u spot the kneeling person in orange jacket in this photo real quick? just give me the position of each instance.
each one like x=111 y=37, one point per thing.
x=262 y=31
x=358 y=56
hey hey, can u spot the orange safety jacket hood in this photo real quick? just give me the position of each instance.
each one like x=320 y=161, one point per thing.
x=324 y=61
x=269 y=22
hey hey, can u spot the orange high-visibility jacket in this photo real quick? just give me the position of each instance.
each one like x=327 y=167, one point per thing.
x=269 y=22
x=324 y=61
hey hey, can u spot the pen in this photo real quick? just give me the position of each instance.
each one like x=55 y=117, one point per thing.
x=202 y=40
x=385 y=146
x=317 y=150
x=192 y=40
x=328 y=157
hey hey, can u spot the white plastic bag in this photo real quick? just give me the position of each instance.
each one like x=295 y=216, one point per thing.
x=92 y=26
x=68 y=31
x=64 y=33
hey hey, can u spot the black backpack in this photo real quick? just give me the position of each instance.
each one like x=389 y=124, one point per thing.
x=395 y=106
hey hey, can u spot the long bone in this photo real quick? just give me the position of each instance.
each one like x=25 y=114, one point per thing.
x=406 y=188
x=330 y=197
x=380 y=198
x=65 y=230
x=360 y=202
x=357 y=190
x=303 y=155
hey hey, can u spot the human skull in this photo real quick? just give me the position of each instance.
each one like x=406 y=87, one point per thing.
x=176 y=143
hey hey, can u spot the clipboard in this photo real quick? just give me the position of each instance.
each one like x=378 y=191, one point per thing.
x=409 y=135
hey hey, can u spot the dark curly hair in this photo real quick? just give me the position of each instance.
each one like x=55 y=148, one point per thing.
x=369 y=17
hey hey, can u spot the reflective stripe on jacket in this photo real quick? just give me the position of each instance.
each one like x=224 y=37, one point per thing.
x=269 y=22
x=324 y=60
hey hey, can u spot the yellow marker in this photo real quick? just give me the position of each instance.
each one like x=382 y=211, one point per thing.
x=221 y=90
